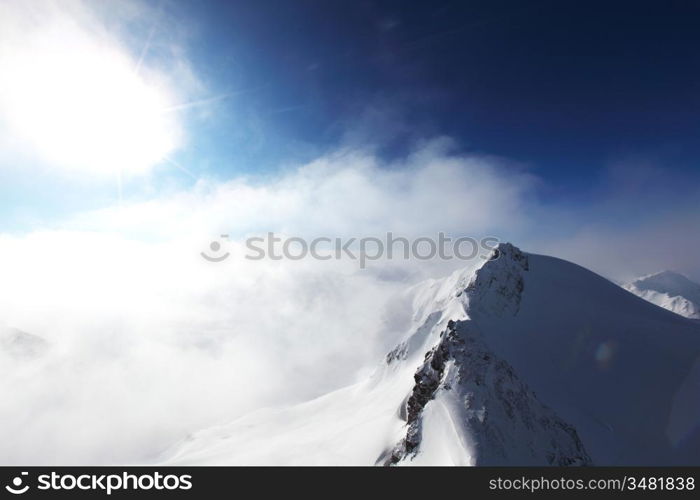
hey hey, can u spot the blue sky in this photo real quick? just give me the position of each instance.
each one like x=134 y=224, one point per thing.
x=567 y=88
x=596 y=102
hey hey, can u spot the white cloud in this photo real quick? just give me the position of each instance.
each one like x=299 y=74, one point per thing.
x=149 y=342
x=350 y=192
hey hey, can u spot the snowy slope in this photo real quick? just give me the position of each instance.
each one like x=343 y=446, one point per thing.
x=527 y=360
x=669 y=290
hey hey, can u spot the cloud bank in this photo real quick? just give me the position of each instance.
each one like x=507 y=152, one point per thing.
x=148 y=342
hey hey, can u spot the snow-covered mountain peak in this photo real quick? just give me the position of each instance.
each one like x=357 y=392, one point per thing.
x=520 y=359
x=496 y=287
x=669 y=290
x=467 y=405
x=492 y=287
x=669 y=282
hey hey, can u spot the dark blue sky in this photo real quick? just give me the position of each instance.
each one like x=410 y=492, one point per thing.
x=567 y=88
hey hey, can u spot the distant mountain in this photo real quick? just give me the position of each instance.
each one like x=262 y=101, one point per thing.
x=20 y=344
x=527 y=360
x=669 y=290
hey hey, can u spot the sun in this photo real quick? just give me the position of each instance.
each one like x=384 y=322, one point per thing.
x=88 y=106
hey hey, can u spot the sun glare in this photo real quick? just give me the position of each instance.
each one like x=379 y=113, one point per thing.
x=83 y=105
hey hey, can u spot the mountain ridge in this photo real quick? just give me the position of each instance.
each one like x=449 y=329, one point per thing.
x=576 y=352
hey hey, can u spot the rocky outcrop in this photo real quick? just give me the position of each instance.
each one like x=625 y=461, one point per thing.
x=500 y=414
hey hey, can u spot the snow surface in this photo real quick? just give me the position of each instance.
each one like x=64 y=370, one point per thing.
x=669 y=290
x=527 y=360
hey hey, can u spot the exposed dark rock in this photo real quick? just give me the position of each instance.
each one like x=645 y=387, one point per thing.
x=488 y=387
